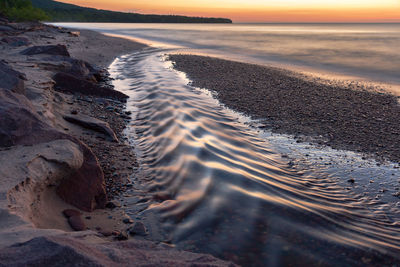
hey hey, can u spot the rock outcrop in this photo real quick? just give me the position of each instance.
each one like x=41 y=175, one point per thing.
x=29 y=172
x=20 y=125
x=69 y=83
x=11 y=80
x=85 y=189
x=57 y=50
x=64 y=250
x=16 y=41
x=78 y=68
x=93 y=124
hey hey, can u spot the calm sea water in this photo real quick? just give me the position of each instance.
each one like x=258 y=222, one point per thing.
x=369 y=51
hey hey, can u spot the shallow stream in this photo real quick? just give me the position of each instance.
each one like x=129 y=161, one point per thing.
x=210 y=181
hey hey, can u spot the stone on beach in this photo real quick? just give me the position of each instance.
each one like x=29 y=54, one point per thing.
x=76 y=222
x=59 y=50
x=76 y=67
x=138 y=229
x=122 y=236
x=20 y=125
x=71 y=212
x=11 y=80
x=6 y=29
x=69 y=83
x=93 y=124
x=16 y=41
x=113 y=204
x=28 y=175
x=83 y=69
x=85 y=189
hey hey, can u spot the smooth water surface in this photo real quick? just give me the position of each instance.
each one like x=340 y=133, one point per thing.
x=370 y=51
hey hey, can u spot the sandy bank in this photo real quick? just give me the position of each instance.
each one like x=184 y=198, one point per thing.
x=343 y=117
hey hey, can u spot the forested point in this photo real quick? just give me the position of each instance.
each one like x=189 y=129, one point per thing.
x=21 y=10
x=62 y=12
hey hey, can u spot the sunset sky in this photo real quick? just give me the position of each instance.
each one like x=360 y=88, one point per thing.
x=262 y=10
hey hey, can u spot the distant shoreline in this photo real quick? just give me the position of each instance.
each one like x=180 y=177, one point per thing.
x=59 y=11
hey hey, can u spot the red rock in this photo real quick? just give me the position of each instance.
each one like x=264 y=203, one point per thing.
x=77 y=223
x=71 y=212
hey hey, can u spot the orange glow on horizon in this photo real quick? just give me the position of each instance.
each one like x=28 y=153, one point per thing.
x=261 y=10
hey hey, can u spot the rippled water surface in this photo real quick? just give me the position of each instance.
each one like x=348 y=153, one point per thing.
x=367 y=50
x=208 y=182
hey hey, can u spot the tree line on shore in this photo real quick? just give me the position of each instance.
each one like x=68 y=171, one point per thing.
x=21 y=10
x=49 y=10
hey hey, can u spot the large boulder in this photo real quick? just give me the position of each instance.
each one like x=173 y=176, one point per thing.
x=59 y=50
x=76 y=67
x=93 y=124
x=83 y=69
x=69 y=83
x=28 y=174
x=11 y=80
x=63 y=250
x=85 y=189
x=20 y=125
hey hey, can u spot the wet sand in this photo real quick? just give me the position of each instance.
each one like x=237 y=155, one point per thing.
x=350 y=117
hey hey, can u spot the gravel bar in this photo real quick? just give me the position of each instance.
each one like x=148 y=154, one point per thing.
x=342 y=116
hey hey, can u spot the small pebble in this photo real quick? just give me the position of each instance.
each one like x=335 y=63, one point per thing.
x=122 y=236
x=113 y=204
x=77 y=223
x=138 y=229
x=127 y=221
x=71 y=212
